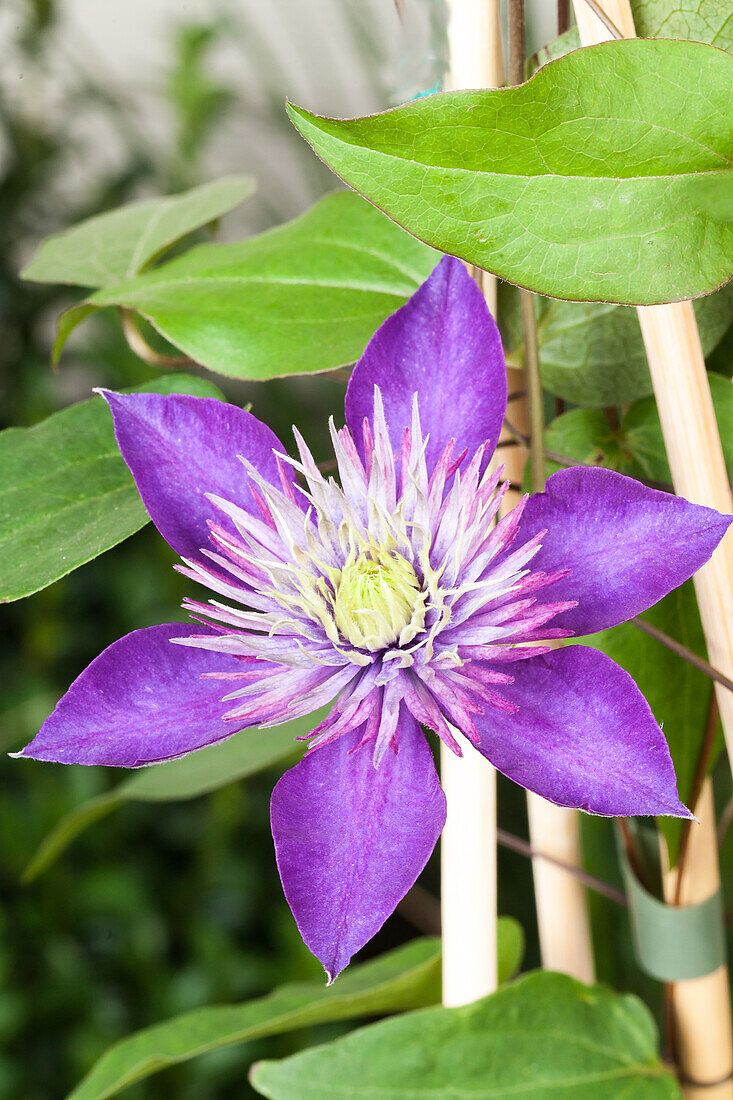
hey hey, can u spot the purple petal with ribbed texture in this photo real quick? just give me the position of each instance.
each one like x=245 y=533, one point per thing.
x=444 y=345
x=180 y=448
x=351 y=839
x=583 y=736
x=626 y=546
x=142 y=700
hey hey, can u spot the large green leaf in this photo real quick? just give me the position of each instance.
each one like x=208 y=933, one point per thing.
x=303 y=297
x=403 y=979
x=592 y=353
x=544 y=1036
x=197 y=774
x=572 y=184
x=66 y=495
x=115 y=246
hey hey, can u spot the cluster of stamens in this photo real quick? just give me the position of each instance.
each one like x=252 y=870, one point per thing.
x=398 y=586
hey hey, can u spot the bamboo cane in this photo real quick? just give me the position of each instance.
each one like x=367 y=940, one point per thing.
x=704 y=1053
x=691 y=437
x=468 y=845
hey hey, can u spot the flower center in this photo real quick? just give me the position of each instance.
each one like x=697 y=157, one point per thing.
x=378 y=600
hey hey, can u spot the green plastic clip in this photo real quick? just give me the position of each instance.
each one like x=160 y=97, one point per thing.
x=674 y=943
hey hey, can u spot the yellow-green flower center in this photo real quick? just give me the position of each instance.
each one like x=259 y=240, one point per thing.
x=379 y=600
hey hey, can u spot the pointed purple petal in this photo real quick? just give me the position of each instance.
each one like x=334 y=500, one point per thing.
x=626 y=546
x=350 y=839
x=445 y=345
x=180 y=448
x=583 y=736
x=142 y=700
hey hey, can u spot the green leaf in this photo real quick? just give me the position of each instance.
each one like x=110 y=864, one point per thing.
x=571 y=184
x=199 y=773
x=303 y=297
x=636 y=447
x=66 y=495
x=406 y=978
x=402 y=979
x=642 y=430
x=544 y=1036
x=510 y=948
x=115 y=246
x=592 y=354
x=698 y=20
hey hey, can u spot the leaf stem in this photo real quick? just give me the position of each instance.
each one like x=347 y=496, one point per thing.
x=534 y=392
x=516 y=41
x=139 y=345
x=684 y=652
x=524 y=848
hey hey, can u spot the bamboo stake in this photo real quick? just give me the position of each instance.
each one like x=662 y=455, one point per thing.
x=474 y=41
x=562 y=914
x=704 y=1052
x=468 y=876
x=691 y=437
x=468 y=844
x=698 y=468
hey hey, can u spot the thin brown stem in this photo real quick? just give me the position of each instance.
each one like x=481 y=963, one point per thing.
x=725 y=821
x=534 y=392
x=421 y=909
x=684 y=652
x=611 y=414
x=516 y=41
x=524 y=848
x=630 y=849
x=536 y=442
x=142 y=348
x=563 y=16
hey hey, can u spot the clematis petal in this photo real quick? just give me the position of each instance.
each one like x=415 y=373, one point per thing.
x=625 y=545
x=142 y=700
x=350 y=839
x=583 y=736
x=179 y=449
x=444 y=345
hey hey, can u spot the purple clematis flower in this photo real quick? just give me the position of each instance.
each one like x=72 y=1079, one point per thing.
x=398 y=596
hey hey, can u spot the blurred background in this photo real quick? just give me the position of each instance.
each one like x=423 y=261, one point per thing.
x=159 y=909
